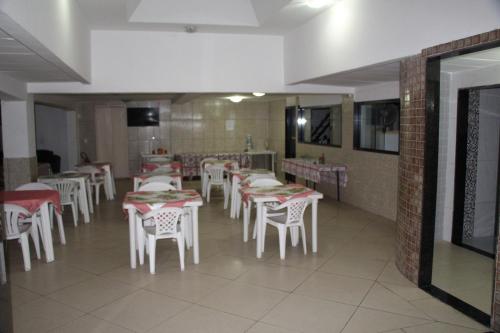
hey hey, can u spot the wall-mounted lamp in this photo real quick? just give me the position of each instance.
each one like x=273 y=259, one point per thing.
x=301 y=121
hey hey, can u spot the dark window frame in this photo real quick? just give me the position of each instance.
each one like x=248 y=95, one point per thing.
x=357 y=125
x=300 y=128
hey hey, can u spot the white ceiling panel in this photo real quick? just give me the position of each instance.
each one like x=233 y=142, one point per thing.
x=470 y=61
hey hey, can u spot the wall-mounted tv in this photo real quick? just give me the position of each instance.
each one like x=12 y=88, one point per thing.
x=143 y=116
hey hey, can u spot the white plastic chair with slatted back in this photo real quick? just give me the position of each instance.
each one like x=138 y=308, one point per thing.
x=167 y=224
x=14 y=229
x=247 y=210
x=215 y=174
x=68 y=191
x=96 y=179
x=37 y=218
x=203 y=175
x=158 y=179
x=293 y=219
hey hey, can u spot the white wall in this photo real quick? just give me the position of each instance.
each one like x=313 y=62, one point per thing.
x=58 y=25
x=374 y=92
x=139 y=61
x=11 y=89
x=358 y=33
x=56 y=131
x=18 y=128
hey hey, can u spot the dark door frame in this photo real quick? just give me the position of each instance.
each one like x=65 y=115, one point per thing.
x=290 y=136
x=432 y=85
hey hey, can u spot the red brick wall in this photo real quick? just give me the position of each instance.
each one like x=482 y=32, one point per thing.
x=411 y=160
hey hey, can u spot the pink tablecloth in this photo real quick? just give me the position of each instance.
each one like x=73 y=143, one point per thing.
x=144 y=202
x=31 y=200
x=146 y=175
x=151 y=166
x=281 y=193
x=318 y=173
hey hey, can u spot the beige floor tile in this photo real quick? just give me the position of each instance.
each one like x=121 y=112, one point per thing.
x=408 y=293
x=244 y=300
x=266 y=328
x=444 y=313
x=92 y=294
x=276 y=277
x=141 y=310
x=228 y=267
x=46 y=278
x=371 y=321
x=188 y=285
x=354 y=266
x=439 y=328
x=381 y=298
x=297 y=259
x=343 y=289
x=138 y=277
x=20 y=296
x=201 y=319
x=90 y=324
x=310 y=314
x=42 y=315
x=391 y=275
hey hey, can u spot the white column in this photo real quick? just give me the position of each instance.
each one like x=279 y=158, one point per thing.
x=19 y=143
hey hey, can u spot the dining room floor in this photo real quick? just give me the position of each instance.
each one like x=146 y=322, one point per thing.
x=351 y=285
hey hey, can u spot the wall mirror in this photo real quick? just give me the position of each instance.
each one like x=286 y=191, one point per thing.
x=320 y=125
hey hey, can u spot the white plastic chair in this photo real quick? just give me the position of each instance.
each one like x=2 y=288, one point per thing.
x=203 y=175
x=167 y=224
x=215 y=174
x=68 y=191
x=247 y=210
x=250 y=180
x=155 y=186
x=3 y=266
x=96 y=179
x=16 y=230
x=159 y=179
x=293 y=218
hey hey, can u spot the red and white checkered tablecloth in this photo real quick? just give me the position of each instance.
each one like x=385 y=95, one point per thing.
x=318 y=173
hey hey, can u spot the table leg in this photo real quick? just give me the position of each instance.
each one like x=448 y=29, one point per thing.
x=314 y=227
x=259 y=229
x=232 y=213
x=89 y=196
x=60 y=226
x=108 y=188
x=136 y=184
x=338 y=185
x=131 y=232
x=246 y=221
x=196 y=248
x=47 y=234
x=179 y=183
x=82 y=198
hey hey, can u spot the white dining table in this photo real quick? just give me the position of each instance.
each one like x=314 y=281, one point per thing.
x=176 y=177
x=237 y=176
x=134 y=220
x=259 y=202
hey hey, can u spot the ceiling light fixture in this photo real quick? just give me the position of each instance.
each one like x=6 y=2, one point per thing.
x=316 y=4
x=190 y=29
x=7 y=38
x=236 y=98
x=258 y=94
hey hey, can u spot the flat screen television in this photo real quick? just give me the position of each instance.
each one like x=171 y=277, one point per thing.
x=143 y=116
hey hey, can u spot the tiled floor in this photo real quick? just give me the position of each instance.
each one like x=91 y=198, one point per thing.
x=463 y=273
x=351 y=285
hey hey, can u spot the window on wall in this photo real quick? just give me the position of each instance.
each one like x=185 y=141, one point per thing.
x=320 y=125
x=376 y=126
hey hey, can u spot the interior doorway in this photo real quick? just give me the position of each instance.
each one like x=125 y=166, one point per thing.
x=290 y=136
x=476 y=172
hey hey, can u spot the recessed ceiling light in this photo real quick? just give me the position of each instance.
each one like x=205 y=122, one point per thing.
x=258 y=94
x=236 y=98
x=190 y=29
x=318 y=3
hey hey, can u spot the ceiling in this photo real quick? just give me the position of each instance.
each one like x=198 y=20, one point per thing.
x=385 y=72
x=471 y=61
x=217 y=16
x=19 y=62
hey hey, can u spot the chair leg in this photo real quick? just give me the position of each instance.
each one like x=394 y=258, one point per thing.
x=294 y=236
x=60 y=226
x=25 y=246
x=226 y=194
x=209 y=189
x=304 y=238
x=75 y=214
x=3 y=267
x=97 y=188
x=246 y=222
x=263 y=235
x=140 y=242
x=282 y=238
x=180 y=245
x=35 y=237
x=152 y=253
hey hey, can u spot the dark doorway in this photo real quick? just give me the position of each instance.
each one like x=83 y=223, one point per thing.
x=290 y=136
